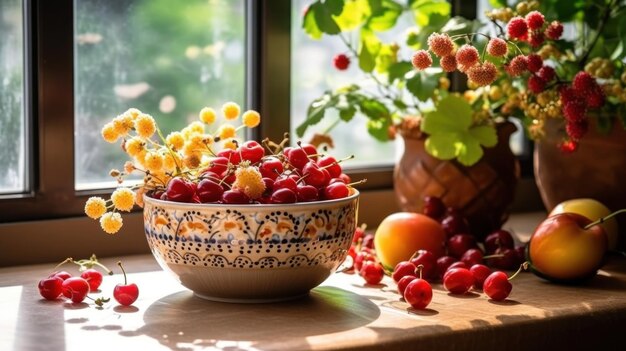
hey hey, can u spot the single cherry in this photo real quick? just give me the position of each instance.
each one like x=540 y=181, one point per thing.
x=403 y=282
x=362 y=257
x=61 y=274
x=251 y=151
x=235 y=196
x=307 y=193
x=75 y=289
x=336 y=191
x=402 y=269
x=330 y=164
x=458 y=244
x=297 y=157
x=271 y=167
x=480 y=273
x=454 y=223
x=472 y=257
x=458 y=280
x=372 y=272
x=179 y=190
x=286 y=182
x=93 y=277
x=498 y=286
x=443 y=263
x=125 y=293
x=283 y=196
x=433 y=207
x=50 y=288
x=429 y=262
x=418 y=293
x=209 y=191
x=499 y=238
x=504 y=258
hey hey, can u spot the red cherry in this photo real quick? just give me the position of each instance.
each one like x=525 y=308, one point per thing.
x=297 y=157
x=93 y=277
x=218 y=165
x=458 y=244
x=283 y=196
x=330 y=164
x=61 y=274
x=402 y=269
x=310 y=150
x=252 y=151
x=418 y=293
x=428 y=261
x=235 y=196
x=443 y=263
x=368 y=241
x=209 y=191
x=50 y=288
x=271 y=167
x=346 y=178
x=231 y=155
x=509 y=259
x=372 y=272
x=458 y=280
x=179 y=190
x=480 y=273
x=336 y=191
x=497 y=286
x=454 y=223
x=362 y=257
x=499 y=238
x=520 y=252
x=75 y=289
x=307 y=193
x=472 y=257
x=287 y=183
x=433 y=207
x=457 y=264
x=313 y=175
x=359 y=233
x=403 y=282
x=341 y=62
x=228 y=178
x=125 y=293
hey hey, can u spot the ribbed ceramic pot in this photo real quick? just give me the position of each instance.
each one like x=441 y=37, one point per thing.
x=250 y=253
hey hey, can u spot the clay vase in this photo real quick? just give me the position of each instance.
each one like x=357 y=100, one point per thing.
x=597 y=169
x=482 y=192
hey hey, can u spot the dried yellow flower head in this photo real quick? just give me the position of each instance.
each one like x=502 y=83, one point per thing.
x=175 y=140
x=123 y=199
x=207 y=115
x=231 y=110
x=111 y=222
x=109 y=134
x=145 y=125
x=249 y=180
x=95 y=207
x=251 y=119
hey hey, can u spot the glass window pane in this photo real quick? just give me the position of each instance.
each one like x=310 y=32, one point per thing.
x=12 y=146
x=166 y=58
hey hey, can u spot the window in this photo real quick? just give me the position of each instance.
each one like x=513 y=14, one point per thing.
x=169 y=61
x=12 y=127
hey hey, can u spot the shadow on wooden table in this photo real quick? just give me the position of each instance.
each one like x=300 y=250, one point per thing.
x=181 y=321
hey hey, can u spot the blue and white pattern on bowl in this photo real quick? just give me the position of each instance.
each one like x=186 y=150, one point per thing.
x=250 y=252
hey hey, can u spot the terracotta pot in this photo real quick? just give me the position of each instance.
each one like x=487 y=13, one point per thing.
x=483 y=192
x=597 y=169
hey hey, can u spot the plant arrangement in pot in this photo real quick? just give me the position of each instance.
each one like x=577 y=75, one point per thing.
x=517 y=64
x=225 y=216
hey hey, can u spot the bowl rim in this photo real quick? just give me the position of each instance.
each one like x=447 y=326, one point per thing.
x=297 y=205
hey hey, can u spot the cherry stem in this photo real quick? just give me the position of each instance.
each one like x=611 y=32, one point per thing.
x=493 y=256
x=522 y=267
x=413 y=255
x=67 y=260
x=119 y=263
x=419 y=269
x=357 y=183
x=605 y=218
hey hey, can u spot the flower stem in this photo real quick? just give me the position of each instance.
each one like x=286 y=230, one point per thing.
x=605 y=218
x=605 y=18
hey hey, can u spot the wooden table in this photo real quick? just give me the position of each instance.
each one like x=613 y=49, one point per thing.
x=340 y=314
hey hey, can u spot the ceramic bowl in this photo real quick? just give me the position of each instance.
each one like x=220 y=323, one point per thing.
x=250 y=253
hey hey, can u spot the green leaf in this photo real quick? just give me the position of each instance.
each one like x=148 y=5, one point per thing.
x=485 y=135
x=316 y=111
x=334 y=7
x=373 y=109
x=323 y=18
x=386 y=57
x=442 y=146
x=379 y=129
x=398 y=70
x=386 y=17
x=422 y=85
x=310 y=25
x=368 y=50
x=352 y=15
x=497 y=3
x=347 y=114
x=468 y=150
x=453 y=114
x=431 y=12
x=459 y=25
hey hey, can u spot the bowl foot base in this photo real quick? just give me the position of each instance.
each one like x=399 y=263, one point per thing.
x=250 y=300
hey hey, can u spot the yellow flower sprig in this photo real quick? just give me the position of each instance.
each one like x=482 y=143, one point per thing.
x=181 y=153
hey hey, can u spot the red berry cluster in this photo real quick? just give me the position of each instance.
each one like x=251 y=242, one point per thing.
x=363 y=258
x=584 y=93
x=293 y=174
x=76 y=289
x=533 y=29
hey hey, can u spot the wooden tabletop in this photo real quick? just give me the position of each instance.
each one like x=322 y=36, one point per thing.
x=340 y=314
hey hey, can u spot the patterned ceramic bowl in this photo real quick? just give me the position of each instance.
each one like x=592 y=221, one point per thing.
x=250 y=253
